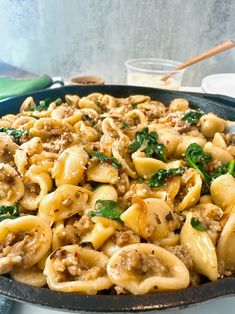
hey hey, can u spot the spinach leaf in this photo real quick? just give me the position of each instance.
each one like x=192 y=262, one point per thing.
x=110 y=160
x=148 y=141
x=160 y=177
x=193 y=116
x=197 y=159
x=197 y=224
x=9 y=212
x=229 y=168
x=44 y=104
x=15 y=133
x=108 y=209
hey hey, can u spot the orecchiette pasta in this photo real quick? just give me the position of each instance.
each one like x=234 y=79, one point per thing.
x=11 y=185
x=70 y=166
x=24 y=241
x=32 y=276
x=125 y=195
x=75 y=269
x=201 y=249
x=223 y=191
x=66 y=201
x=142 y=268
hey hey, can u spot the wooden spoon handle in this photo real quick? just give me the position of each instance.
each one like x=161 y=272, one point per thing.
x=207 y=54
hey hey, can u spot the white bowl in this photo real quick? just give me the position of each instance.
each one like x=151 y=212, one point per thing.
x=223 y=84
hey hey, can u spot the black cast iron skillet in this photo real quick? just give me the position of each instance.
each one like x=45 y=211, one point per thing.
x=225 y=108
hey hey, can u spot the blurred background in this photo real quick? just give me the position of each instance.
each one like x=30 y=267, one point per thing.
x=70 y=37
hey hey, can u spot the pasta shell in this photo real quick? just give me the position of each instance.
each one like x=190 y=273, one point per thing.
x=66 y=201
x=7 y=149
x=145 y=167
x=201 y=249
x=142 y=268
x=170 y=138
x=151 y=218
x=218 y=153
x=103 y=173
x=25 y=151
x=70 y=166
x=72 y=100
x=24 y=241
x=192 y=184
x=219 y=141
x=223 y=191
x=86 y=267
x=226 y=244
x=102 y=230
x=32 y=276
x=103 y=192
x=210 y=124
x=38 y=179
x=186 y=140
x=11 y=185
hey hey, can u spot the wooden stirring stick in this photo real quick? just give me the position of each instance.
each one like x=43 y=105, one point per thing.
x=207 y=54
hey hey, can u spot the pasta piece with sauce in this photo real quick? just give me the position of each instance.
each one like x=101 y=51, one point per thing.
x=66 y=201
x=75 y=269
x=11 y=185
x=70 y=166
x=32 y=276
x=201 y=249
x=144 y=268
x=151 y=218
x=24 y=241
x=38 y=183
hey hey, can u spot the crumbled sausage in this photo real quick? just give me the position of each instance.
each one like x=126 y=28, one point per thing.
x=143 y=264
x=70 y=266
x=182 y=253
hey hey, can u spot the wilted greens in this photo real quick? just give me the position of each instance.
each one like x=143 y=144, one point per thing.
x=15 y=133
x=108 y=209
x=9 y=212
x=160 y=177
x=44 y=104
x=148 y=141
x=110 y=160
x=193 y=116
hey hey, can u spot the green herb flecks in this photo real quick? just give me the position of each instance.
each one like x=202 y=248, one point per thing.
x=110 y=160
x=193 y=116
x=9 y=212
x=160 y=177
x=147 y=142
x=198 y=159
x=229 y=168
x=124 y=125
x=108 y=209
x=44 y=104
x=87 y=118
x=134 y=106
x=15 y=133
x=197 y=224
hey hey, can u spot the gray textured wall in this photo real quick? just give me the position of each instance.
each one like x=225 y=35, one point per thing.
x=67 y=37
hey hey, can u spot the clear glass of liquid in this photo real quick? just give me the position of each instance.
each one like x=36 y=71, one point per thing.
x=150 y=71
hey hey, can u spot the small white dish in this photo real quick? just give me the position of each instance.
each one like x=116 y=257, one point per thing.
x=223 y=84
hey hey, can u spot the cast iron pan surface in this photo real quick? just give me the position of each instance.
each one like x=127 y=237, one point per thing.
x=225 y=108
